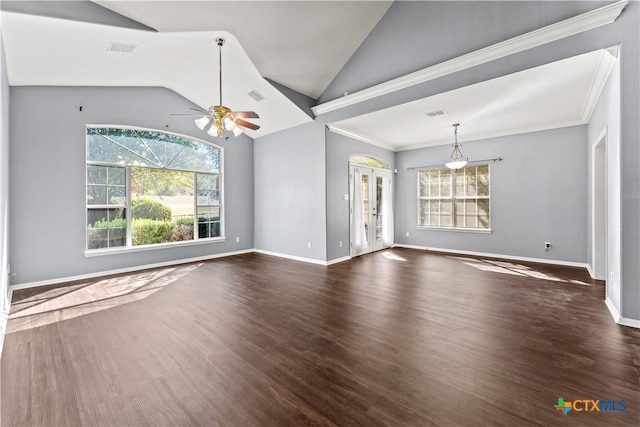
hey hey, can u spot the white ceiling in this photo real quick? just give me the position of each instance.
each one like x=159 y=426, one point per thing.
x=551 y=96
x=299 y=44
x=55 y=52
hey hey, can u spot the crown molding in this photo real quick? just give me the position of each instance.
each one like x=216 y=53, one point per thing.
x=568 y=27
x=599 y=81
x=352 y=135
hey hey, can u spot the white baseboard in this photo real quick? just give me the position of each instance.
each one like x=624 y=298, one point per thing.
x=502 y=256
x=337 y=260
x=624 y=321
x=4 y=317
x=292 y=257
x=123 y=270
x=590 y=270
x=612 y=309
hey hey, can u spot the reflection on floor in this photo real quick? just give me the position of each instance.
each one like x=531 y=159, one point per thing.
x=88 y=297
x=505 y=267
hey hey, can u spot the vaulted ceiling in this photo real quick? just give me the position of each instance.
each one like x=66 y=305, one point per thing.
x=301 y=45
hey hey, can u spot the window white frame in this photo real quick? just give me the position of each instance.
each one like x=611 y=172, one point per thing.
x=128 y=244
x=452 y=198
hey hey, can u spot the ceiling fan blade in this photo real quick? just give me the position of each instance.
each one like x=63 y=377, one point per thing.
x=189 y=115
x=199 y=109
x=245 y=114
x=247 y=125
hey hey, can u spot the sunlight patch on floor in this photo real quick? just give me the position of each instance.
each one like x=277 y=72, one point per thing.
x=73 y=301
x=505 y=267
x=390 y=255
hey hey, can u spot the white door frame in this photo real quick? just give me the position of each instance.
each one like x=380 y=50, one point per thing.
x=599 y=206
x=373 y=173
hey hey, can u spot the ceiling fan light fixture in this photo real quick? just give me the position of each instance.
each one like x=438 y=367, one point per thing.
x=215 y=130
x=457 y=160
x=229 y=124
x=202 y=122
x=218 y=118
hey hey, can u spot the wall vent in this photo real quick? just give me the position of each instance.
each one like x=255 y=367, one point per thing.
x=257 y=96
x=121 y=47
x=436 y=113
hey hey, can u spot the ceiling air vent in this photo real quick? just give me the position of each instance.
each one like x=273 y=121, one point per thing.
x=436 y=113
x=121 y=47
x=257 y=96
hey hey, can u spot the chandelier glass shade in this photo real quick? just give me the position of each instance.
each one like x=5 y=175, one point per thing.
x=457 y=160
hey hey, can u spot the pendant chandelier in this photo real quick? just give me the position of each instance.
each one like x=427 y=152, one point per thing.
x=456 y=161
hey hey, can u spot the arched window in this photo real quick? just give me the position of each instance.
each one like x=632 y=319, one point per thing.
x=361 y=159
x=147 y=187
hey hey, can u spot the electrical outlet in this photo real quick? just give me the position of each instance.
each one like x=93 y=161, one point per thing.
x=340 y=243
x=237 y=239
x=406 y=234
x=547 y=246
x=309 y=245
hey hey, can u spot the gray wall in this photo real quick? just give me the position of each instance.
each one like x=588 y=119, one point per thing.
x=289 y=177
x=417 y=34
x=47 y=177
x=339 y=148
x=606 y=115
x=538 y=194
x=627 y=31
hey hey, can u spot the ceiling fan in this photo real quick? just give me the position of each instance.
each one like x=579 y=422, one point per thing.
x=219 y=118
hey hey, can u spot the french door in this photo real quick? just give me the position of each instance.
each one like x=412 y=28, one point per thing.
x=371 y=217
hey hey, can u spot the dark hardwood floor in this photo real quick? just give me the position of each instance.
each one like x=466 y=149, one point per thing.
x=400 y=337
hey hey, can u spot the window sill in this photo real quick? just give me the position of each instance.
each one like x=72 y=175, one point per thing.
x=115 y=251
x=457 y=230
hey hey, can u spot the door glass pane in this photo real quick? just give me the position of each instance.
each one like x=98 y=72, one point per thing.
x=379 y=184
x=365 y=203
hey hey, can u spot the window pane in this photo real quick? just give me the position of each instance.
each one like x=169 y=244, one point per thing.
x=460 y=216
x=368 y=161
x=116 y=196
x=460 y=181
x=116 y=176
x=106 y=228
x=96 y=194
x=457 y=206
x=96 y=174
x=162 y=210
x=446 y=187
x=483 y=213
x=423 y=218
x=434 y=186
x=424 y=178
x=97 y=238
x=162 y=172
x=483 y=180
x=208 y=189
x=470 y=174
x=135 y=147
